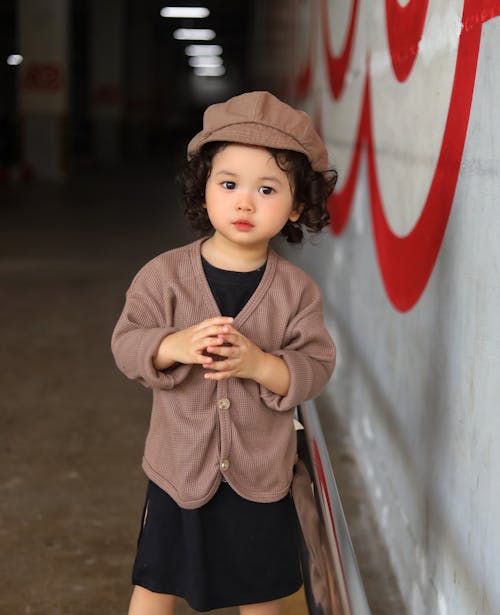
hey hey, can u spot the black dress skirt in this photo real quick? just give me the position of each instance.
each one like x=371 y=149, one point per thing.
x=231 y=551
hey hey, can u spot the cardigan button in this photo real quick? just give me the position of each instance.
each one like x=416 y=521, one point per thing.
x=224 y=465
x=224 y=403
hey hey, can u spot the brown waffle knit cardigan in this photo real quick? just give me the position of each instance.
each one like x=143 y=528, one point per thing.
x=201 y=429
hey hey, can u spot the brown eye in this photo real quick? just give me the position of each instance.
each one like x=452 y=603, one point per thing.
x=267 y=190
x=229 y=185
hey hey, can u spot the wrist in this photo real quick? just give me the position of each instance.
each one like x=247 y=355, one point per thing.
x=272 y=373
x=262 y=366
x=163 y=359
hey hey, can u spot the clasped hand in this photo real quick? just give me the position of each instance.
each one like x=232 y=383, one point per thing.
x=215 y=345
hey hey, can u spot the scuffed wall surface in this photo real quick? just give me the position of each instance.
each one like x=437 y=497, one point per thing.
x=410 y=271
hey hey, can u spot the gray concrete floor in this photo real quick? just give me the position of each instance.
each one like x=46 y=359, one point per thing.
x=72 y=427
x=382 y=592
x=71 y=488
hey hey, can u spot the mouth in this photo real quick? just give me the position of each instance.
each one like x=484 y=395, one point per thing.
x=243 y=225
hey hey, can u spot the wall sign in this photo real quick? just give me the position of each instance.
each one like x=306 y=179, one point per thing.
x=43 y=77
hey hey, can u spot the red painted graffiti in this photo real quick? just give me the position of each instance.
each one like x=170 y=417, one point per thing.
x=338 y=65
x=407 y=262
x=43 y=77
x=404 y=31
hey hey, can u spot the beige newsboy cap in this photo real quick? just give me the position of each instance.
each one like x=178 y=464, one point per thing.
x=259 y=118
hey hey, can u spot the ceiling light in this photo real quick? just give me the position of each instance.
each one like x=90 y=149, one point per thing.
x=205 y=61
x=203 y=50
x=194 y=34
x=14 y=60
x=212 y=71
x=185 y=11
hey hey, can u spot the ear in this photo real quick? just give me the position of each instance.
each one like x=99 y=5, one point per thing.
x=296 y=213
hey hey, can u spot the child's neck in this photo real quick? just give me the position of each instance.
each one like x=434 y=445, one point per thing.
x=226 y=255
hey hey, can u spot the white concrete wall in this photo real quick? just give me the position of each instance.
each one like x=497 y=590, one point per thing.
x=411 y=281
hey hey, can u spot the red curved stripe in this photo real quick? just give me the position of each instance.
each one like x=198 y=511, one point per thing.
x=303 y=85
x=304 y=80
x=405 y=25
x=337 y=65
x=340 y=202
x=406 y=263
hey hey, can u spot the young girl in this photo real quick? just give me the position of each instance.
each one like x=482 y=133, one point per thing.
x=230 y=338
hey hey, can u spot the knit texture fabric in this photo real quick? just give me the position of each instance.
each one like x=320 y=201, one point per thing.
x=200 y=428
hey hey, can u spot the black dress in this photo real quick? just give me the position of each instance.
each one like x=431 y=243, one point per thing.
x=231 y=551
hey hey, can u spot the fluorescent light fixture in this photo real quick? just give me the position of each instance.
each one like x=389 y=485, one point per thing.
x=194 y=34
x=205 y=61
x=195 y=12
x=15 y=59
x=203 y=50
x=209 y=71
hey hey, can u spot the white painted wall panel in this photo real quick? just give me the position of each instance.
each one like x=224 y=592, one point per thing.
x=420 y=384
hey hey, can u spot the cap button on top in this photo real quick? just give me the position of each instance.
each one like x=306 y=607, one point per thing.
x=224 y=403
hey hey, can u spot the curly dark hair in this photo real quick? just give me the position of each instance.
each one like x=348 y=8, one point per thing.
x=310 y=188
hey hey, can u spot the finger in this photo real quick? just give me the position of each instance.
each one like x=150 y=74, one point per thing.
x=200 y=346
x=210 y=341
x=223 y=365
x=218 y=375
x=210 y=331
x=231 y=338
x=213 y=355
x=223 y=350
x=203 y=358
x=234 y=331
x=218 y=320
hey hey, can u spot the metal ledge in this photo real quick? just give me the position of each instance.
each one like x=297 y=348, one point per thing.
x=331 y=575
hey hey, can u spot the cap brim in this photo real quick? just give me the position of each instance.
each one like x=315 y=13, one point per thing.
x=248 y=134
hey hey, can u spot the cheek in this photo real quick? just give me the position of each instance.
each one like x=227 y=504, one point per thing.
x=281 y=219
x=209 y=198
x=212 y=207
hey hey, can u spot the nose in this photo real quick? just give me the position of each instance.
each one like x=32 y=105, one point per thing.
x=245 y=202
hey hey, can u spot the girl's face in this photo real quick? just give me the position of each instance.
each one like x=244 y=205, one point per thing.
x=248 y=197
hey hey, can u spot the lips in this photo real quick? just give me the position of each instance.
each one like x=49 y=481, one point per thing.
x=243 y=225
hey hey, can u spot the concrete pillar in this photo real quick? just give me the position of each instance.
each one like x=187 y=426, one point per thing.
x=43 y=36
x=139 y=59
x=106 y=77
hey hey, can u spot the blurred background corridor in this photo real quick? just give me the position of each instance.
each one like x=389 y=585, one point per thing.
x=97 y=102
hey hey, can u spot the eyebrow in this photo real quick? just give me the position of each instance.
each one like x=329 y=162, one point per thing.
x=270 y=178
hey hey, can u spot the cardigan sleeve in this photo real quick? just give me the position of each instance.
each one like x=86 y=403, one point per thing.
x=146 y=319
x=309 y=352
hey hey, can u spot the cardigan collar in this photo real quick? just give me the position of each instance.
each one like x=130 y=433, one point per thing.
x=255 y=299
